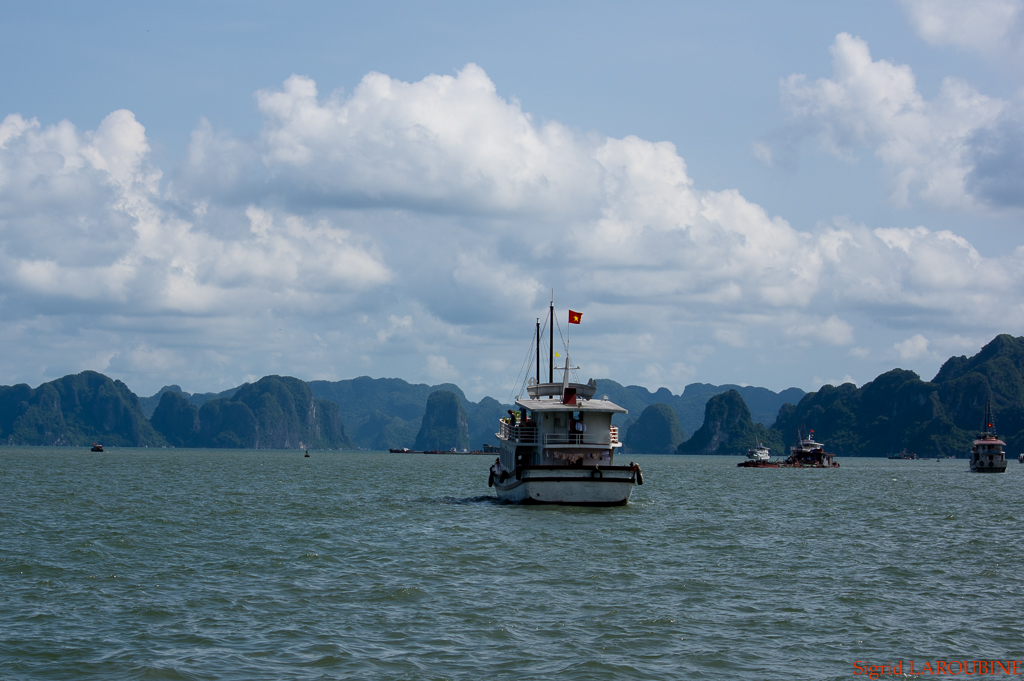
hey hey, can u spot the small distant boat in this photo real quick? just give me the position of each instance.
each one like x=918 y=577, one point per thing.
x=905 y=455
x=759 y=453
x=96 y=447
x=1020 y=457
x=987 y=454
x=758 y=456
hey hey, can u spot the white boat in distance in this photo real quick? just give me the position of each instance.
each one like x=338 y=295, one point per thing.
x=987 y=454
x=559 y=447
x=759 y=453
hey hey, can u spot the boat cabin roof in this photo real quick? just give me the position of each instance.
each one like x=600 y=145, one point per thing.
x=581 y=405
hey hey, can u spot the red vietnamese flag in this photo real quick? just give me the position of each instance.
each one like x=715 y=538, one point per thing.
x=575 y=317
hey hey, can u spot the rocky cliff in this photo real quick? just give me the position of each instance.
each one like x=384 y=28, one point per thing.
x=444 y=424
x=656 y=431
x=75 y=410
x=729 y=429
x=276 y=412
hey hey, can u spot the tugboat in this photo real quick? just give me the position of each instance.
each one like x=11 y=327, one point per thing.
x=987 y=454
x=758 y=456
x=559 y=447
x=96 y=447
x=807 y=453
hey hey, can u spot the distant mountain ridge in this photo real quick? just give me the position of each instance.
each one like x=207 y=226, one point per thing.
x=377 y=413
x=894 y=411
x=149 y=404
x=275 y=412
x=75 y=410
x=382 y=413
x=898 y=410
x=763 y=403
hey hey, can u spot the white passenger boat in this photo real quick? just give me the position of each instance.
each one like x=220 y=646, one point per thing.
x=988 y=454
x=759 y=453
x=559 y=447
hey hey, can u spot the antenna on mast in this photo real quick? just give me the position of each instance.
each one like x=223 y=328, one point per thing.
x=551 y=339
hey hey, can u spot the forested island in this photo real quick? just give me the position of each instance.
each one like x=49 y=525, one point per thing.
x=895 y=411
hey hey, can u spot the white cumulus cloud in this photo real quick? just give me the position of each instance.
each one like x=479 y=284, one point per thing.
x=985 y=26
x=925 y=145
x=912 y=348
x=416 y=228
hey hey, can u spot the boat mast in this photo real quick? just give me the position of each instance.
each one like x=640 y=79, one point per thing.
x=551 y=341
x=538 y=350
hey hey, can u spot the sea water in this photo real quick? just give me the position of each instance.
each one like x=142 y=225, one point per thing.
x=227 y=564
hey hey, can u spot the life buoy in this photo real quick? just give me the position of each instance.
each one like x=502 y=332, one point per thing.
x=596 y=473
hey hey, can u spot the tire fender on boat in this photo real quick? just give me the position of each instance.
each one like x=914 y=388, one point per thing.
x=501 y=478
x=596 y=473
x=490 y=479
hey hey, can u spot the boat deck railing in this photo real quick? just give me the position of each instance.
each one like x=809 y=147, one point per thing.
x=577 y=439
x=522 y=434
x=528 y=435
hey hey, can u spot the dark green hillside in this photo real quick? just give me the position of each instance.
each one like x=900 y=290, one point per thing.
x=176 y=419
x=483 y=420
x=763 y=404
x=729 y=429
x=898 y=410
x=224 y=423
x=382 y=413
x=444 y=424
x=380 y=431
x=656 y=431
x=149 y=404
x=275 y=412
x=75 y=410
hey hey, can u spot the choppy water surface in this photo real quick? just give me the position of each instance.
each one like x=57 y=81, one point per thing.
x=201 y=564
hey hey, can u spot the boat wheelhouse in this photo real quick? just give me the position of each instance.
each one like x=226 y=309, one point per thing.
x=560 y=446
x=988 y=454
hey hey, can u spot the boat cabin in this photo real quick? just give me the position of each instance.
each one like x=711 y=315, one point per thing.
x=988 y=451
x=557 y=432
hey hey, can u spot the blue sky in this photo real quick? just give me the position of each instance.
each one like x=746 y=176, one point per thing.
x=776 y=194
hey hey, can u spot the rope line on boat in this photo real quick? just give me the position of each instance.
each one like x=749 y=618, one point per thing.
x=528 y=365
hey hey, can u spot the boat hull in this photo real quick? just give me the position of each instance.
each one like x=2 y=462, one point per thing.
x=996 y=467
x=610 y=486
